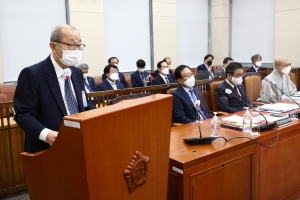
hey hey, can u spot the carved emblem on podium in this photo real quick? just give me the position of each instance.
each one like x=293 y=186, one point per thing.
x=136 y=172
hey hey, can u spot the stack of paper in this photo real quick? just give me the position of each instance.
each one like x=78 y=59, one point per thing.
x=278 y=107
x=238 y=119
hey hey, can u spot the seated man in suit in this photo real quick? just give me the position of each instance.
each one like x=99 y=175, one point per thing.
x=256 y=63
x=115 y=61
x=232 y=102
x=185 y=96
x=162 y=78
x=226 y=61
x=170 y=75
x=140 y=78
x=89 y=82
x=51 y=89
x=279 y=76
x=206 y=71
x=110 y=83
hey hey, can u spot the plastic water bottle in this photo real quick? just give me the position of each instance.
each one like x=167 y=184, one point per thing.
x=215 y=126
x=247 y=121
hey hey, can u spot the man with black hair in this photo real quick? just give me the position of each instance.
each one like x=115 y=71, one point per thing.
x=226 y=61
x=170 y=75
x=111 y=82
x=140 y=77
x=162 y=78
x=232 y=102
x=185 y=96
x=205 y=71
x=256 y=63
x=115 y=61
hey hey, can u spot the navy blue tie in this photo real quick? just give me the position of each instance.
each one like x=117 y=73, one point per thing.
x=198 y=108
x=71 y=101
x=87 y=85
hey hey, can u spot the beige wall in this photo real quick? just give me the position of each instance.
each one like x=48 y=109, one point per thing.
x=1 y=74
x=165 y=30
x=220 y=30
x=88 y=18
x=287 y=30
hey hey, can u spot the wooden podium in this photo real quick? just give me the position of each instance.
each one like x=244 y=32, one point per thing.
x=116 y=152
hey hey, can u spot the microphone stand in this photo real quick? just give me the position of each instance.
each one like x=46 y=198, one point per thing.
x=199 y=140
x=260 y=127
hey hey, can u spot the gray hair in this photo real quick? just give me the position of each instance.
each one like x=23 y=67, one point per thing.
x=83 y=66
x=57 y=32
x=255 y=57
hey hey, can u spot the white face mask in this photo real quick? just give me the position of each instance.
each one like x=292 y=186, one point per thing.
x=237 y=81
x=286 y=70
x=114 y=76
x=85 y=75
x=258 y=63
x=165 y=71
x=190 y=82
x=70 y=57
x=141 y=70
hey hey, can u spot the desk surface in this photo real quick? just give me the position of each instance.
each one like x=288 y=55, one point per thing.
x=183 y=155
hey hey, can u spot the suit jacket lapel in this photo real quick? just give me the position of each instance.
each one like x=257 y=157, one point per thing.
x=77 y=89
x=54 y=85
x=186 y=96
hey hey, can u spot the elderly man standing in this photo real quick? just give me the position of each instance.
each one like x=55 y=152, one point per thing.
x=51 y=89
x=279 y=76
x=89 y=82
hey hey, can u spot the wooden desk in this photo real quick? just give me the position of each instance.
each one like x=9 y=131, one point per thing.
x=239 y=169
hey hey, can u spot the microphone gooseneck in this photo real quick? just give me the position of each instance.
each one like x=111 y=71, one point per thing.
x=269 y=81
x=228 y=91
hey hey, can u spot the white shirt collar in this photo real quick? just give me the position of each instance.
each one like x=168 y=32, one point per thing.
x=256 y=68
x=187 y=89
x=229 y=83
x=163 y=76
x=58 y=70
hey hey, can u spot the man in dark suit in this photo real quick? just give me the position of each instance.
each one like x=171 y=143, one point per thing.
x=115 y=61
x=256 y=63
x=206 y=69
x=110 y=83
x=233 y=83
x=226 y=61
x=170 y=75
x=185 y=98
x=50 y=90
x=89 y=82
x=140 y=78
x=162 y=78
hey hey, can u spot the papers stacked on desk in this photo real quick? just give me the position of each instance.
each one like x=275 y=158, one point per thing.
x=278 y=107
x=238 y=119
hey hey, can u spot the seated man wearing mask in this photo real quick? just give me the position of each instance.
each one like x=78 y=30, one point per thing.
x=140 y=78
x=279 y=76
x=184 y=97
x=89 y=82
x=205 y=70
x=170 y=75
x=226 y=61
x=115 y=61
x=110 y=83
x=256 y=61
x=162 y=78
x=231 y=101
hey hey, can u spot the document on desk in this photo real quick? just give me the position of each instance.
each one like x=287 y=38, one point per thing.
x=238 y=119
x=278 y=107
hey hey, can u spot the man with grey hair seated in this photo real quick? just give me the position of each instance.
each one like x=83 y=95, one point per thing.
x=89 y=82
x=256 y=61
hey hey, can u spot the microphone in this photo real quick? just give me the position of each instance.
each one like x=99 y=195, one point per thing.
x=269 y=81
x=200 y=140
x=260 y=127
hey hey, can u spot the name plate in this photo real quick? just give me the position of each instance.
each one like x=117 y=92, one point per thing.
x=283 y=122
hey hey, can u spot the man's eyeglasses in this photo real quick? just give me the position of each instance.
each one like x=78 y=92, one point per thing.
x=73 y=47
x=238 y=75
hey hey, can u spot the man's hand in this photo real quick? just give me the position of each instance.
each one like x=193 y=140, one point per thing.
x=51 y=137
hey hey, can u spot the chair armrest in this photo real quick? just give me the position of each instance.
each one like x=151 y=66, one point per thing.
x=176 y=124
x=258 y=103
x=220 y=113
